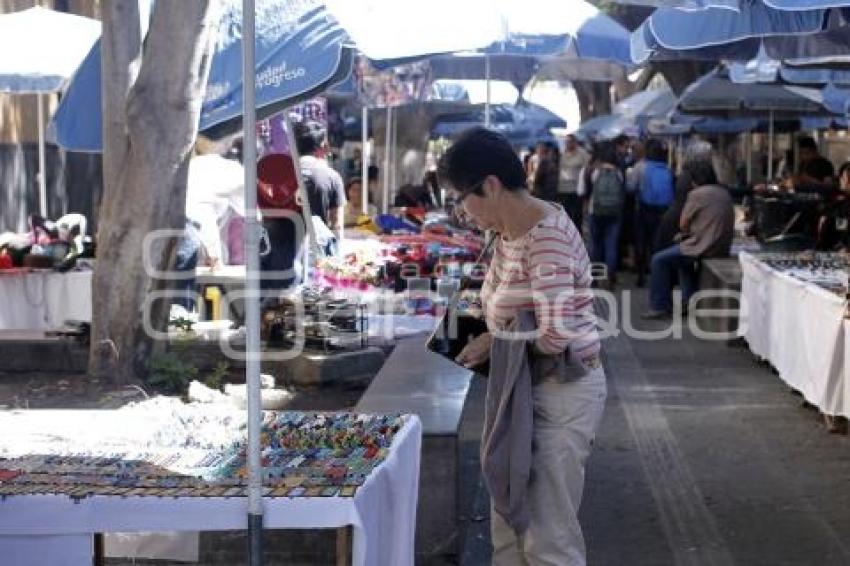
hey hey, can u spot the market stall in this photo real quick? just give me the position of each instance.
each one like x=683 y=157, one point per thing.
x=43 y=299
x=161 y=465
x=793 y=315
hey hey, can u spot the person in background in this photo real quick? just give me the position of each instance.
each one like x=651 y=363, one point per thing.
x=572 y=162
x=605 y=209
x=652 y=182
x=626 y=158
x=354 y=206
x=623 y=149
x=431 y=182
x=696 y=151
x=325 y=189
x=815 y=172
x=530 y=163
x=213 y=181
x=834 y=223
x=374 y=190
x=354 y=164
x=537 y=253
x=546 y=176
x=707 y=226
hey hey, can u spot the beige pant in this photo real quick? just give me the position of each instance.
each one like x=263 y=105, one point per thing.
x=566 y=416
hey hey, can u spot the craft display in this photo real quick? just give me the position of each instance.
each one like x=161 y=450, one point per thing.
x=303 y=455
x=826 y=270
x=321 y=319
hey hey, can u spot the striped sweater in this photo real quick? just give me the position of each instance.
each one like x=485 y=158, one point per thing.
x=546 y=270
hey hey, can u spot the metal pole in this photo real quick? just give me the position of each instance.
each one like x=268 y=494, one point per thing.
x=394 y=157
x=487 y=79
x=364 y=155
x=385 y=203
x=252 y=288
x=42 y=169
x=312 y=247
x=770 y=149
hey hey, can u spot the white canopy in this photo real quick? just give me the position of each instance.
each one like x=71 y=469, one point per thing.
x=42 y=49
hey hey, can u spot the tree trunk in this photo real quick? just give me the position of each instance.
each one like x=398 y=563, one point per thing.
x=594 y=98
x=150 y=124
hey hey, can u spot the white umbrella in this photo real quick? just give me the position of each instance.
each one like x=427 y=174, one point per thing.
x=42 y=51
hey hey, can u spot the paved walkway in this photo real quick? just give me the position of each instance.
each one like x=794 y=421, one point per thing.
x=704 y=457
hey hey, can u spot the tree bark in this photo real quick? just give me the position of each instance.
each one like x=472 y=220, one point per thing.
x=150 y=123
x=594 y=98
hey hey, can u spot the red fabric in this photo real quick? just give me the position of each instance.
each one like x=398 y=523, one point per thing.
x=277 y=184
x=6 y=261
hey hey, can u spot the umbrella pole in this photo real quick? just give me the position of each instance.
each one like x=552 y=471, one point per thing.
x=42 y=173
x=364 y=156
x=385 y=203
x=770 y=149
x=487 y=102
x=252 y=288
x=748 y=144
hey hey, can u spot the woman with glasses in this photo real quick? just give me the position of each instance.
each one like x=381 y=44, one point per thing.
x=539 y=265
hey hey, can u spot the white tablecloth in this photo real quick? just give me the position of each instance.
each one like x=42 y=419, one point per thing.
x=382 y=513
x=800 y=329
x=43 y=300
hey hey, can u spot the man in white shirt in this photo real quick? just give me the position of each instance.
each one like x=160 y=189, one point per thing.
x=573 y=161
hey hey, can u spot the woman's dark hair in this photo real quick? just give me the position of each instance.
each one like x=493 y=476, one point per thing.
x=477 y=153
x=605 y=152
x=702 y=173
x=373 y=172
x=553 y=150
x=655 y=150
x=845 y=167
x=807 y=142
x=351 y=182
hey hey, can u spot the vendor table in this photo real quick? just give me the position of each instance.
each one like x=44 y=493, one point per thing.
x=800 y=328
x=43 y=299
x=58 y=530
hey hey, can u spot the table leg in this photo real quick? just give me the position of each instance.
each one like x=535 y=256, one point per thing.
x=343 y=546
x=99 y=554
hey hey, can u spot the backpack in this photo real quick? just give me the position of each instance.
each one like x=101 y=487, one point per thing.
x=608 y=196
x=656 y=187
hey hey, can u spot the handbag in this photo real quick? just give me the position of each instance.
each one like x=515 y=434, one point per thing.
x=449 y=339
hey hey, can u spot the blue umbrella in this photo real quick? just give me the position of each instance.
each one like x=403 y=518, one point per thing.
x=714 y=33
x=686 y=4
x=300 y=52
x=806 y=4
x=835 y=99
x=524 y=124
x=631 y=115
x=715 y=94
x=763 y=69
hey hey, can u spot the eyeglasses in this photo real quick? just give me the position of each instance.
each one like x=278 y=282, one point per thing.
x=458 y=211
x=469 y=190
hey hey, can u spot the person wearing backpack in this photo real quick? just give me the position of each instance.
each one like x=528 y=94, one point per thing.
x=606 y=200
x=652 y=181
